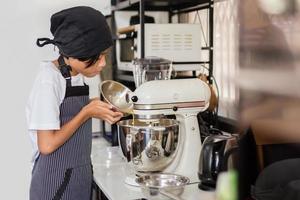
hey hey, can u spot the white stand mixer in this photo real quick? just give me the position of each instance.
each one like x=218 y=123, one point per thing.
x=184 y=98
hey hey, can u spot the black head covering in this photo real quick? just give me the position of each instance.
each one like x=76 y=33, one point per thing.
x=79 y=32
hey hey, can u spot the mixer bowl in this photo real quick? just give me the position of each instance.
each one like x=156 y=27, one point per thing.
x=117 y=95
x=150 y=146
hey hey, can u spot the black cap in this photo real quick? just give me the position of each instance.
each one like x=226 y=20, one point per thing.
x=79 y=32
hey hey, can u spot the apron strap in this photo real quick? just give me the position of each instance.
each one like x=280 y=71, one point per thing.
x=65 y=70
x=63 y=186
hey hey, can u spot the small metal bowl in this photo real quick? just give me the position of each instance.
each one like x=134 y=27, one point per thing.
x=117 y=95
x=160 y=185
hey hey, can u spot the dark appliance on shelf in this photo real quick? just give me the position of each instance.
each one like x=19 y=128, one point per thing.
x=136 y=19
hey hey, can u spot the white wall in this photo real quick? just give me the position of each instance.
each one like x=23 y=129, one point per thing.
x=21 y=22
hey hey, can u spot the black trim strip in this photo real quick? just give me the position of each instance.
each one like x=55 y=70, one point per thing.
x=62 y=188
x=65 y=70
x=77 y=91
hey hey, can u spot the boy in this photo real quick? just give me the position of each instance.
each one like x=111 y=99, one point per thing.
x=59 y=111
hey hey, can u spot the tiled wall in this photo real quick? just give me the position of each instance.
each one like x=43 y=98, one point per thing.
x=225 y=63
x=226 y=54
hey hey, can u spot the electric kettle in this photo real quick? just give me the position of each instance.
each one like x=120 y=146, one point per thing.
x=214 y=156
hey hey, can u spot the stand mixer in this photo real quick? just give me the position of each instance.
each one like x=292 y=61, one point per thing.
x=151 y=102
x=185 y=99
x=151 y=141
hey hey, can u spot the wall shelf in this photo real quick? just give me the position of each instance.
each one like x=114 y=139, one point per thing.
x=159 y=5
x=174 y=8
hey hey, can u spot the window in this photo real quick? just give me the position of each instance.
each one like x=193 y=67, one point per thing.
x=225 y=51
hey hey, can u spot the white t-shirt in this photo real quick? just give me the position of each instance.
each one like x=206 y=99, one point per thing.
x=48 y=92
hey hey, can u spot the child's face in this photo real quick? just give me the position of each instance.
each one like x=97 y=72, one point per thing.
x=80 y=67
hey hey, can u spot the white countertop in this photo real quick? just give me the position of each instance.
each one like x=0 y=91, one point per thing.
x=111 y=170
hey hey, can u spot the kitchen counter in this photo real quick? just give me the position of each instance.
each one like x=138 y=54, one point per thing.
x=111 y=170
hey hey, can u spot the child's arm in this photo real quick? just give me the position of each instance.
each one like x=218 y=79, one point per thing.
x=50 y=140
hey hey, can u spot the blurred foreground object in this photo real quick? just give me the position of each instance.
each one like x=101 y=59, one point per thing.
x=269 y=79
x=227 y=186
x=269 y=75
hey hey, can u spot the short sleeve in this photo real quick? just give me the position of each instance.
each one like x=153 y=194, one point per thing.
x=45 y=103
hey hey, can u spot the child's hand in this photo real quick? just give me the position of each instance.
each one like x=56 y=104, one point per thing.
x=101 y=110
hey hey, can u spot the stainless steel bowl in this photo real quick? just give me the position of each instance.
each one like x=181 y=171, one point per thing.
x=150 y=146
x=117 y=95
x=155 y=186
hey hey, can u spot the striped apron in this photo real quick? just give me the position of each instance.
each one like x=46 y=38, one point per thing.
x=66 y=174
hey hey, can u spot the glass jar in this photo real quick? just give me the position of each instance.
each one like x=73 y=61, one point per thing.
x=151 y=68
